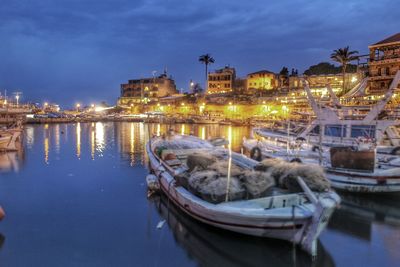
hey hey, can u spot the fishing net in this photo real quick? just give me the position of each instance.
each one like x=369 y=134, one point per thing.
x=215 y=189
x=258 y=184
x=200 y=161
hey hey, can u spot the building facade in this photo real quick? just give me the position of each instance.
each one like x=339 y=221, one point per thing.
x=221 y=81
x=262 y=81
x=384 y=62
x=319 y=81
x=147 y=89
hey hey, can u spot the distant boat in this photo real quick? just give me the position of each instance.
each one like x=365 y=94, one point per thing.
x=295 y=217
x=9 y=136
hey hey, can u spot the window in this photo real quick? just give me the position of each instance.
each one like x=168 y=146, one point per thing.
x=335 y=130
x=367 y=131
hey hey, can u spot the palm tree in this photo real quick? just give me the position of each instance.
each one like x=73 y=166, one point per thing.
x=206 y=60
x=344 y=57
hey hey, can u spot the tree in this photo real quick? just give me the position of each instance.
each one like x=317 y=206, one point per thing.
x=324 y=68
x=284 y=76
x=197 y=89
x=344 y=56
x=284 y=71
x=206 y=60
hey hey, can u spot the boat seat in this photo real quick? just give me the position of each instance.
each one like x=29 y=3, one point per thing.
x=181 y=153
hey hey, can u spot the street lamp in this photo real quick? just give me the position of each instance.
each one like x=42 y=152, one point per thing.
x=17 y=96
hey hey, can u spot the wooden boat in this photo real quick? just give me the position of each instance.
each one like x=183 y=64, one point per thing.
x=348 y=168
x=8 y=141
x=296 y=217
x=9 y=136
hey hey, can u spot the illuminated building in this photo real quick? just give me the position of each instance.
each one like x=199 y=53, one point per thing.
x=147 y=89
x=221 y=81
x=262 y=80
x=384 y=62
x=319 y=81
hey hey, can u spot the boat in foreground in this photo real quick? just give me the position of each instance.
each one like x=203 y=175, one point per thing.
x=298 y=217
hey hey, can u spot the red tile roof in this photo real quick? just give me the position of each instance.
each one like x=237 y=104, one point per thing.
x=392 y=39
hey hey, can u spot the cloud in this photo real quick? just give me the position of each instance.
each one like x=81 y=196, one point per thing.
x=71 y=49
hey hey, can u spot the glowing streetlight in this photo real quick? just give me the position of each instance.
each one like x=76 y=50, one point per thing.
x=17 y=97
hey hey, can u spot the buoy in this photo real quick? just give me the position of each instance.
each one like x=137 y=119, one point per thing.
x=152 y=182
x=2 y=213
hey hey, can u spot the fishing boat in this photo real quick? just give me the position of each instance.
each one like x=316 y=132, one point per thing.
x=206 y=119
x=279 y=213
x=342 y=125
x=8 y=140
x=9 y=136
x=356 y=169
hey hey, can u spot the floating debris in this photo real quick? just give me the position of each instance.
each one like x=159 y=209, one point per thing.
x=160 y=224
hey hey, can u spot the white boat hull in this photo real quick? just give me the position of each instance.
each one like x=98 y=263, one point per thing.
x=379 y=181
x=293 y=222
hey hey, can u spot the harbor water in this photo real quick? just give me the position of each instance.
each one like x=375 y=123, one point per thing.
x=75 y=195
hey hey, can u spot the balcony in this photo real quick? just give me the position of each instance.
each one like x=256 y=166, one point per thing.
x=385 y=60
x=375 y=77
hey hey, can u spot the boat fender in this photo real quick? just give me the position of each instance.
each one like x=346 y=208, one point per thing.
x=396 y=151
x=2 y=213
x=296 y=160
x=255 y=153
x=152 y=182
x=315 y=149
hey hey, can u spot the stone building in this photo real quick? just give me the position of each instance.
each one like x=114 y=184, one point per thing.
x=319 y=81
x=262 y=81
x=384 y=62
x=221 y=81
x=147 y=89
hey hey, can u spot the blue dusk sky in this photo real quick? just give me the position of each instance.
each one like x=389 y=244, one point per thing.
x=69 y=51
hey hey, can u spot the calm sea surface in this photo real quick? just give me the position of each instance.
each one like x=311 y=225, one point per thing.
x=75 y=195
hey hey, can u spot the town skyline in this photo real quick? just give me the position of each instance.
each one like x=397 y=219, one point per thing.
x=88 y=58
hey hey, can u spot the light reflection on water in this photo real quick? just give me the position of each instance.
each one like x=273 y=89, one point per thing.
x=78 y=189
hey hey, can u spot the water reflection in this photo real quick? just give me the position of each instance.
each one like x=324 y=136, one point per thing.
x=11 y=161
x=360 y=224
x=46 y=143
x=215 y=247
x=78 y=140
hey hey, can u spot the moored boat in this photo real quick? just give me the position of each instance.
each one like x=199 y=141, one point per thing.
x=298 y=217
x=349 y=168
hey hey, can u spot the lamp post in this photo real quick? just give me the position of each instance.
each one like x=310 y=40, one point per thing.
x=17 y=96
x=191 y=86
